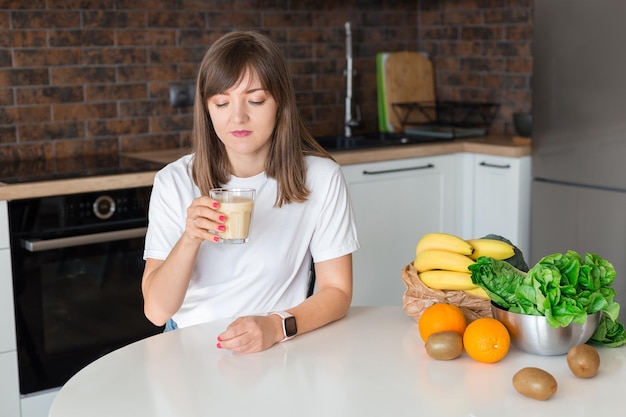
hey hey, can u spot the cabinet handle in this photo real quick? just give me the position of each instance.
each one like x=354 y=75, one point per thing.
x=488 y=165
x=388 y=171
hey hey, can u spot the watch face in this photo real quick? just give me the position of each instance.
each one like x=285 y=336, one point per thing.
x=290 y=327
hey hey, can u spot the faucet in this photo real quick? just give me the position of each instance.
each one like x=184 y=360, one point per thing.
x=350 y=121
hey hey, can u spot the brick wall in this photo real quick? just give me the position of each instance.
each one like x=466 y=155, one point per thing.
x=481 y=51
x=93 y=76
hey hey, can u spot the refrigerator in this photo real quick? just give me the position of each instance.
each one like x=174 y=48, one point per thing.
x=579 y=132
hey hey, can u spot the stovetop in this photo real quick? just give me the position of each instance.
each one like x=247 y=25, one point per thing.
x=19 y=172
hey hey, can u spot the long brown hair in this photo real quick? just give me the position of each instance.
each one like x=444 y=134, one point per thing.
x=224 y=64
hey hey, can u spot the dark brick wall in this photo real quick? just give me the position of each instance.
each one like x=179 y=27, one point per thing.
x=93 y=76
x=481 y=51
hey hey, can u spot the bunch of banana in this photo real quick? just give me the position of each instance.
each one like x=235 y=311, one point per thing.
x=442 y=260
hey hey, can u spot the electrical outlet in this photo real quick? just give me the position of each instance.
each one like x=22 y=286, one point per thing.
x=182 y=95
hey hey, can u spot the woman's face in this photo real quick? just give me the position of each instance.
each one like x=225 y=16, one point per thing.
x=244 y=117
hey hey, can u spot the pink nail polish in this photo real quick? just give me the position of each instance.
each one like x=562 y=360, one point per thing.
x=216 y=239
x=221 y=228
x=219 y=345
x=216 y=204
x=219 y=339
x=222 y=218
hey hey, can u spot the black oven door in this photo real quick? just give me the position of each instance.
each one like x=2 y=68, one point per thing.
x=77 y=298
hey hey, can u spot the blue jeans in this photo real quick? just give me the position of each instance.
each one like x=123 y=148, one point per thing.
x=170 y=325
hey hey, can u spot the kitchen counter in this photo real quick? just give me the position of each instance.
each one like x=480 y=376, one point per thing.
x=371 y=363
x=491 y=145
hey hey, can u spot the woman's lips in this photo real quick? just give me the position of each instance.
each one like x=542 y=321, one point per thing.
x=241 y=133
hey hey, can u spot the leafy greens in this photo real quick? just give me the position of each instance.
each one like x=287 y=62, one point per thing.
x=562 y=287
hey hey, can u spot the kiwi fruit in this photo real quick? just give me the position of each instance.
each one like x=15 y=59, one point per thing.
x=444 y=346
x=535 y=383
x=583 y=360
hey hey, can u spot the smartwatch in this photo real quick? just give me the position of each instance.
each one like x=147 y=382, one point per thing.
x=289 y=324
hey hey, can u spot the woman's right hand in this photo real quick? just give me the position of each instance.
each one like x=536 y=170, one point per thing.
x=203 y=216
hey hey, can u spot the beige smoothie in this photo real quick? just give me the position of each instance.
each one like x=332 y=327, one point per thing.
x=238 y=213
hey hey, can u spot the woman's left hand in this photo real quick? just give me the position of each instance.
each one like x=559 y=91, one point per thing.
x=251 y=334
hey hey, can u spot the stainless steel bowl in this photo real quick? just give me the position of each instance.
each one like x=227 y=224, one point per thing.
x=533 y=334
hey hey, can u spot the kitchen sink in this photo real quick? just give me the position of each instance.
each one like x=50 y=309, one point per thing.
x=373 y=140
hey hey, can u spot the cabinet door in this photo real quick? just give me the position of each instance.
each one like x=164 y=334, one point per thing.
x=7 y=321
x=9 y=386
x=395 y=203
x=4 y=225
x=501 y=195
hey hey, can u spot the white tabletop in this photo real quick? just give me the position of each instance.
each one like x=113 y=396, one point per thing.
x=371 y=363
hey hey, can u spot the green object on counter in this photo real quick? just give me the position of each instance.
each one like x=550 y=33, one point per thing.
x=383 y=117
x=517 y=260
x=562 y=287
x=609 y=333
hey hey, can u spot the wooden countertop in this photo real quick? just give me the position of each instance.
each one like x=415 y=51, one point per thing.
x=490 y=145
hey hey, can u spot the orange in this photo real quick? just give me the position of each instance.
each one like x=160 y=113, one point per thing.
x=441 y=317
x=486 y=340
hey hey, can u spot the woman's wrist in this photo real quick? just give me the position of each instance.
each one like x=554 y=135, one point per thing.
x=287 y=322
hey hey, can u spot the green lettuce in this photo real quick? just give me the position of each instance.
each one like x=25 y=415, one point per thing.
x=609 y=332
x=562 y=287
x=501 y=281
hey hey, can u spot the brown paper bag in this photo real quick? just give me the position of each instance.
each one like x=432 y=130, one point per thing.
x=418 y=297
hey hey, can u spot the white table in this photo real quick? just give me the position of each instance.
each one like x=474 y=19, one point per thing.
x=371 y=363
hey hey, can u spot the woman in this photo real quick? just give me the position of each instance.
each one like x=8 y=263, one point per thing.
x=248 y=134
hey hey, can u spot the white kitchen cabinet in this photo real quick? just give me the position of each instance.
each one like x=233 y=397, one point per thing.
x=500 y=196
x=4 y=225
x=7 y=317
x=395 y=203
x=7 y=322
x=9 y=387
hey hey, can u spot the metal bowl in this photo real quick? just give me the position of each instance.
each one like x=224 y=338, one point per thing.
x=533 y=334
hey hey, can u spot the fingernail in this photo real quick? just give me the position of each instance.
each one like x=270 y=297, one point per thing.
x=216 y=204
x=222 y=218
x=216 y=239
x=221 y=228
x=219 y=339
x=219 y=345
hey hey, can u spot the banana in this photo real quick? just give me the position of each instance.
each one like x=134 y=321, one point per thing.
x=441 y=259
x=443 y=241
x=495 y=249
x=447 y=280
x=479 y=292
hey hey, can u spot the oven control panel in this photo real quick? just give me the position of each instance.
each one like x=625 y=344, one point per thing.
x=104 y=206
x=115 y=205
x=84 y=210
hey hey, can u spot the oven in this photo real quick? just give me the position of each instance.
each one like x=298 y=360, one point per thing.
x=77 y=266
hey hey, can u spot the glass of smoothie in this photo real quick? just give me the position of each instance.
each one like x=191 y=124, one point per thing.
x=237 y=205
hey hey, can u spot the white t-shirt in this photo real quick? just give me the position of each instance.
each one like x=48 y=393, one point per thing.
x=271 y=271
